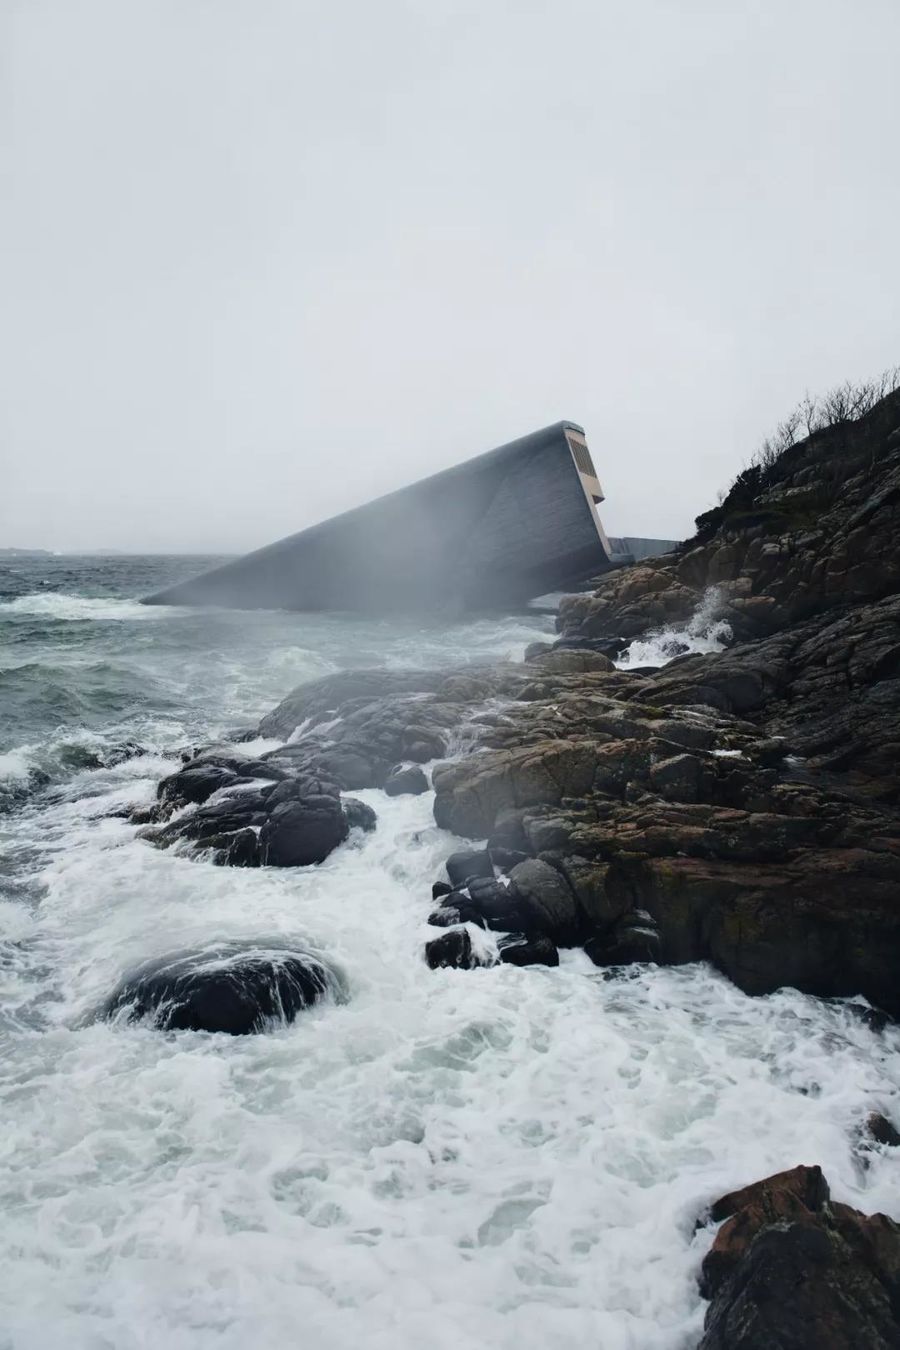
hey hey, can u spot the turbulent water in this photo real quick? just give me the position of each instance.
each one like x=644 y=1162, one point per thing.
x=504 y=1158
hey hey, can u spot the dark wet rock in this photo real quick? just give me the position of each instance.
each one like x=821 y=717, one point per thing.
x=230 y=989
x=506 y=858
x=440 y=889
x=196 y=784
x=240 y=849
x=258 y=768
x=550 y=897
x=462 y=866
x=633 y=938
x=490 y=904
x=292 y=822
x=359 y=815
x=453 y=949
x=403 y=780
x=518 y=950
x=792 y=1270
x=300 y=832
x=881 y=1131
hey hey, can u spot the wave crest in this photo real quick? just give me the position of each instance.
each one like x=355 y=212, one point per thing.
x=72 y=608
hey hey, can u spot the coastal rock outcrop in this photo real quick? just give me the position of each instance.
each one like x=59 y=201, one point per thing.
x=232 y=989
x=807 y=530
x=740 y=806
x=255 y=814
x=790 y=1269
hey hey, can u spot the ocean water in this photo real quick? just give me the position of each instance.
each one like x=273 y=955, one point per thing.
x=506 y=1158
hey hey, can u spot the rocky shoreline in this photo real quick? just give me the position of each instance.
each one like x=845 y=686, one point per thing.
x=740 y=807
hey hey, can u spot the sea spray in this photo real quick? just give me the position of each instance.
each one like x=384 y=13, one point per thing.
x=705 y=631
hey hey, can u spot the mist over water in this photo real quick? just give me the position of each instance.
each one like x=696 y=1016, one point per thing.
x=505 y=1158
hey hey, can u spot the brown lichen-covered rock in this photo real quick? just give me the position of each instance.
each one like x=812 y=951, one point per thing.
x=790 y=1270
x=562 y=661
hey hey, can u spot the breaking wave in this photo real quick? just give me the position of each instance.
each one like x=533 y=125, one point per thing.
x=704 y=632
x=78 y=608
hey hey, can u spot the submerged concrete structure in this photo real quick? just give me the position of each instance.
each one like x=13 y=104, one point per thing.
x=494 y=531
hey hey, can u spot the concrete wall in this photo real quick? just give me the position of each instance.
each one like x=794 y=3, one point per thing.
x=496 y=530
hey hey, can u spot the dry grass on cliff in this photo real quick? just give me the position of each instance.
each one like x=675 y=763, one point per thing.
x=827 y=429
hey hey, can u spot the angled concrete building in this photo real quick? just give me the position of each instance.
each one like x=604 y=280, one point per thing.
x=494 y=531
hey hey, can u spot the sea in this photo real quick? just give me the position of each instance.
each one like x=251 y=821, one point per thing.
x=449 y=1160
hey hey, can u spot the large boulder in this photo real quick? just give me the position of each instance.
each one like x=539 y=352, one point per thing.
x=468 y=863
x=303 y=830
x=195 y=783
x=549 y=895
x=406 y=780
x=791 y=1270
x=493 y=905
x=291 y=821
x=234 y=989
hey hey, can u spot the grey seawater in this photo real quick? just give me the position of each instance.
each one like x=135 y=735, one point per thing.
x=497 y=1158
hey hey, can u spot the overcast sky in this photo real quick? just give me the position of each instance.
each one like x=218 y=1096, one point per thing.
x=266 y=259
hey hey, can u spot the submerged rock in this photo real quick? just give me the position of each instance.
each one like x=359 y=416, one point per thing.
x=360 y=816
x=518 y=950
x=881 y=1131
x=231 y=989
x=792 y=1270
x=453 y=949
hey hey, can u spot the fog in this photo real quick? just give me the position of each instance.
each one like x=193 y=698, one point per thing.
x=267 y=259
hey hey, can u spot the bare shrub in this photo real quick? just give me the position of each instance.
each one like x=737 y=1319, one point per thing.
x=814 y=414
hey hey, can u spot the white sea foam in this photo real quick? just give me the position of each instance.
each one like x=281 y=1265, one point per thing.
x=512 y=1158
x=704 y=632
x=16 y=764
x=56 y=605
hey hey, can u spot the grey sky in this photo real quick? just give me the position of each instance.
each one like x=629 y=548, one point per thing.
x=267 y=258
